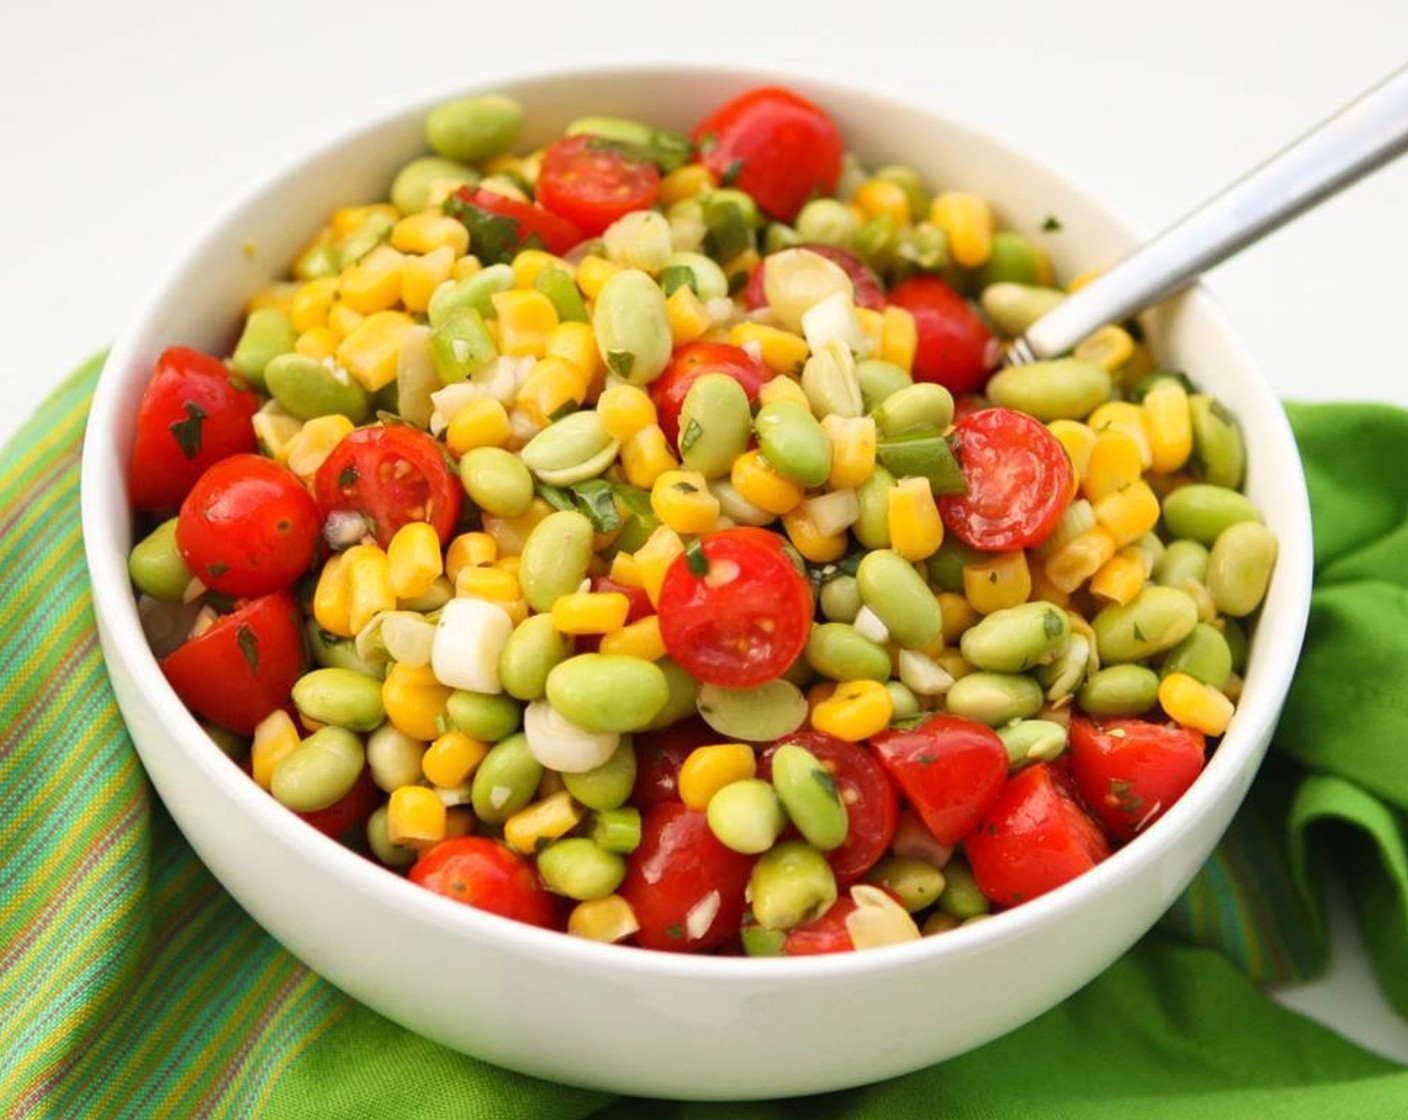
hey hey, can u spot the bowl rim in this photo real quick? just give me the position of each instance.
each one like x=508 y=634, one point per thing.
x=104 y=507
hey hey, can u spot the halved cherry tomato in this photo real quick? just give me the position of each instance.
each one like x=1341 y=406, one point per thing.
x=950 y=768
x=826 y=934
x=342 y=817
x=487 y=875
x=194 y=412
x=248 y=527
x=659 y=756
x=1019 y=481
x=244 y=666
x=775 y=145
x=591 y=183
x=954 y=347
x=1129 y=772
x=557 y=234
x=742 y=618
x=1033 y=838
x=687 y=365
x=685 y=887
x=391 y=474
x=868 y=289
x=872 y=805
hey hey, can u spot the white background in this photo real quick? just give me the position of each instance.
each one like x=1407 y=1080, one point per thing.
x=125 y=126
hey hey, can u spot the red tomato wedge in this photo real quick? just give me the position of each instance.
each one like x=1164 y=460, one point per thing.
x=1129 y=772
x=556 y=233
x=591 y=183
x=869 y=291
x=954 y=347
x=687 y=365
x=392 y=475
x=487 y=875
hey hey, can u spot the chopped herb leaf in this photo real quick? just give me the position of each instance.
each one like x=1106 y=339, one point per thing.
x=188 y=431
x=1139 y=634
x=1052 y=624
x=675 y=932
x=217 y=569
x=726 y=230
x=695 y=558
x=621 y=363
x=686 y=487
x=826 y=781
x=493 y=238
x=678 y=276
x=248 y=641
x=731 y=173
x=707 y=143
x=692 y=431
x=566 y=408
x=597 y=501
x=927 y=760
x=667 y=150
x=636 y=500
x=347 y=477
x=1052 y=224
x=992 y=577
x=555 y=496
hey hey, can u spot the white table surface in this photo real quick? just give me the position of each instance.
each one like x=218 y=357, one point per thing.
x=125 y=126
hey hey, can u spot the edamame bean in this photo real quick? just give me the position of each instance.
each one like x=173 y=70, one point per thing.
x=394 y=757
x=1200 y=511
x=1236 y=637
x=890 y=586
x=793 y=442
x=306 y=388
x=267 y=333
x=333 y=652
x=994 y=698
x=1119 y=690
x=1033 y=740
x=1014 y=639
x=572 y=450
x=421 y=179
x=577 y=868
x=684 y=695
x=1182 y=561
x=320 y=771
x=878 y=242
x=1219 y=455
x=1014 y=307
x=1061 y=389
x=961 y=897
x=484 y=716
x=461 y=346
x=746 y=816
x=700 y=272
x=1063 y=675
x=903 y=702
x=392 y=855
x=606 y=786
x=341 y=697
x=496 y=481
x=829 y=376
x=1013 y=260
x=1156 y=619
x=715 y=425
x=946 y=566
x=473 y=128
x=872 y=527
x=840 y=599
x=909 y=181
x=808 y=793
x=736 y=507
x=879 y=380
x=474 y=293
x=505 y=781
x=838 y=651
x=632 y=327
x=555 y=558
x=755 y=715
x=639 y=239
x=827 y=221
x=157 y=566
x=1204 y=655
x=790 y=884
x=1239 y=567
x=925 y=406
x=917 y=882
x=531 y=652
x=603 y=692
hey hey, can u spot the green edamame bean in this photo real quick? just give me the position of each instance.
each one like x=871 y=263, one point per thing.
x=736 y=507
x=808 y=793
x=1204 y=655
x=577 y=868
x=925 y=406
x=790 y=884
x=555 y=558
x=872 y=527
x=878 y=242
x=793 y=442
x=777 y=237
x=531 y=652
x=925 y=245
x=746 y=816
x=394 y=757
x=505 y=781
x=1013 y=260
x=1033 y=740
x=632 y=327
x=1014 y=307
x=1156 y=619
x=496 y=481
x=715 y=425
x=909 y=181
x=683 y=698
x=1182 y=561
x=340 y=697
x=1236 y=637
x=473 y=128
x=839 y=651
x=829 y=381
x=333 y=652
x=267 y=333
x=483 y=716
x=474 y=293
x=461 y=346
x=1239 y=567
x=1014 y=639
x=903 y=702
x=994 y=698
x=379 y=841
x=562 y=292
x=1061 y=389
x=1119 y=690
x=418 y=180
x=1219 y=454
x=879 y=380
x=890 y=586
x=320 y=771
x=572 y=450
x=1063 y=675
x=306 y=388
x=704 y=275
x=156 y=565
x=604 y=692
x=616 y=830
x=606 y=786
x=1201 y=511
x=946 y=566
x=840 y=599
x=639 y=239
x=828 y=222
x=961 y=897
x=231 y=745
x=755 y=715
x=917 y=882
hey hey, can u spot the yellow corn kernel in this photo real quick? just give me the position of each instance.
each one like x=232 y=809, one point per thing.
x=1129 y=513
x=413 y=559
x=370 y=351
x=311 y=303
x=1045 y=591
x=682 y=500
x=706 y=770
x=1003 y=580
x=576 y=342
x=810 y=541
x=689 y=318
x=466 y=267
x=429 y=231
x=638 y=639
x=1170 y=425
x=654 y=558
x=469 y=550
x=881 y=198
x=872 y=326
x=509 y=533
x=1113 y=464
x=952 y=662
x=1109 y=347
x=1129 y=418
x=368 y=585
x=494 y=584
x=525 y=321
x=331 y=603
x=592 y=274
x=553 y=816
x=783 y=388
x=343 y=320
x=754 y=478
x=415 y=815
x=855 y=711
x=421 y=276
x=451 y=759
x=482 y=422
x=350 y=219
x=414 y=700
x=1080 y=558
x=318 y=343
x=967 y=220
x=309 y=449
x=958 y=613
x=275 y=738
x=374 y=282
x=272 y=297
x=853 y=449
x=899 y=337
x=1190 y=702
x=607 y=920
x=625 y=571
x=624 y=410
x=590 y=612
x=552 y=385
x=646 y=456
x=916 y=530
x=818 y=694
x=529 y=262
x=1120 y=578
x=683 y=183
x=1078 y=440
x=781 y=351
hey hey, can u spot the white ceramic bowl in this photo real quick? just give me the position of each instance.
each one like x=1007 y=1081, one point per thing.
x=618 y=1018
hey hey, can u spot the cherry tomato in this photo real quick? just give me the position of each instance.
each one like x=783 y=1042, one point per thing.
x=244 y=666
x=591 y=184
x=1130 y=771
x=775 y=145
x=954 y=347
x=872 y=806
x=194 y=413
x=1019 y=481
x=685 y=887
x=869 y=291
x=1033 y=838
x=950 y=768
x=391 y=474
x=557 y=234
x=659 y=756
x=346 y=818
x=826 y=934
x=740 y=621
x=248 y=527
x=488 y=875
x=691 y=362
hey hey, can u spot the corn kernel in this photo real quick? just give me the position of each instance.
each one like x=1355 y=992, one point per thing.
x=275 y=738
x=967 y=220
x=469 y=550
x=916 y=530
x=883 y=198
x=552 y=385
x=1003 y=580
x=466 y=267
x=553 y=816
x=682 y=500
x=958 y=615
x=1190 y=702
x=343 y=320
x=509 y=533
x=1078 y=440
x=493 y=584
x=654 y=558
x=529 y=262
x=311 y=303
x=369 y=353
x=808 y=539
x=1129 y=418
x=624 y=410
x=754 y=478
x=451 y=759
x=272 y=297
x=1120 y=578
x=1114 y=463
x=783 y=388
x=899 y=337
x=590 y=612
x=422 y=276
x=414 y=815
x=683 y=183
x=646 y=456
x=592 y=274
x=368 y=585
x=318 y=343
x=608 y=919
x=853 y=449
x=525 y=320
x=413 y=558
x=1170 y=425
x=309 y=449
x=1045 y=591
x=349 y=219
x=1129 y=513
x=374 y=282
x=781 y=351
x=952 y=662
x=706 y=770
x=637 y=639
x=872 y=328
x=576 y=342
x=855 y=711
x=331 y=604
x=428 y=232
x=414 y=700
x=1080 y=558
x=818 y=694
x=625 y=571
x=482 y=422
x=688 y=317
x=1109 y=348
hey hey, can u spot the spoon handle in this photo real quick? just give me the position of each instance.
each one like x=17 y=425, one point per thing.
x=1355 y=141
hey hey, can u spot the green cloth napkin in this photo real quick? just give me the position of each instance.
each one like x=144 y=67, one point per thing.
x=132 y=985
